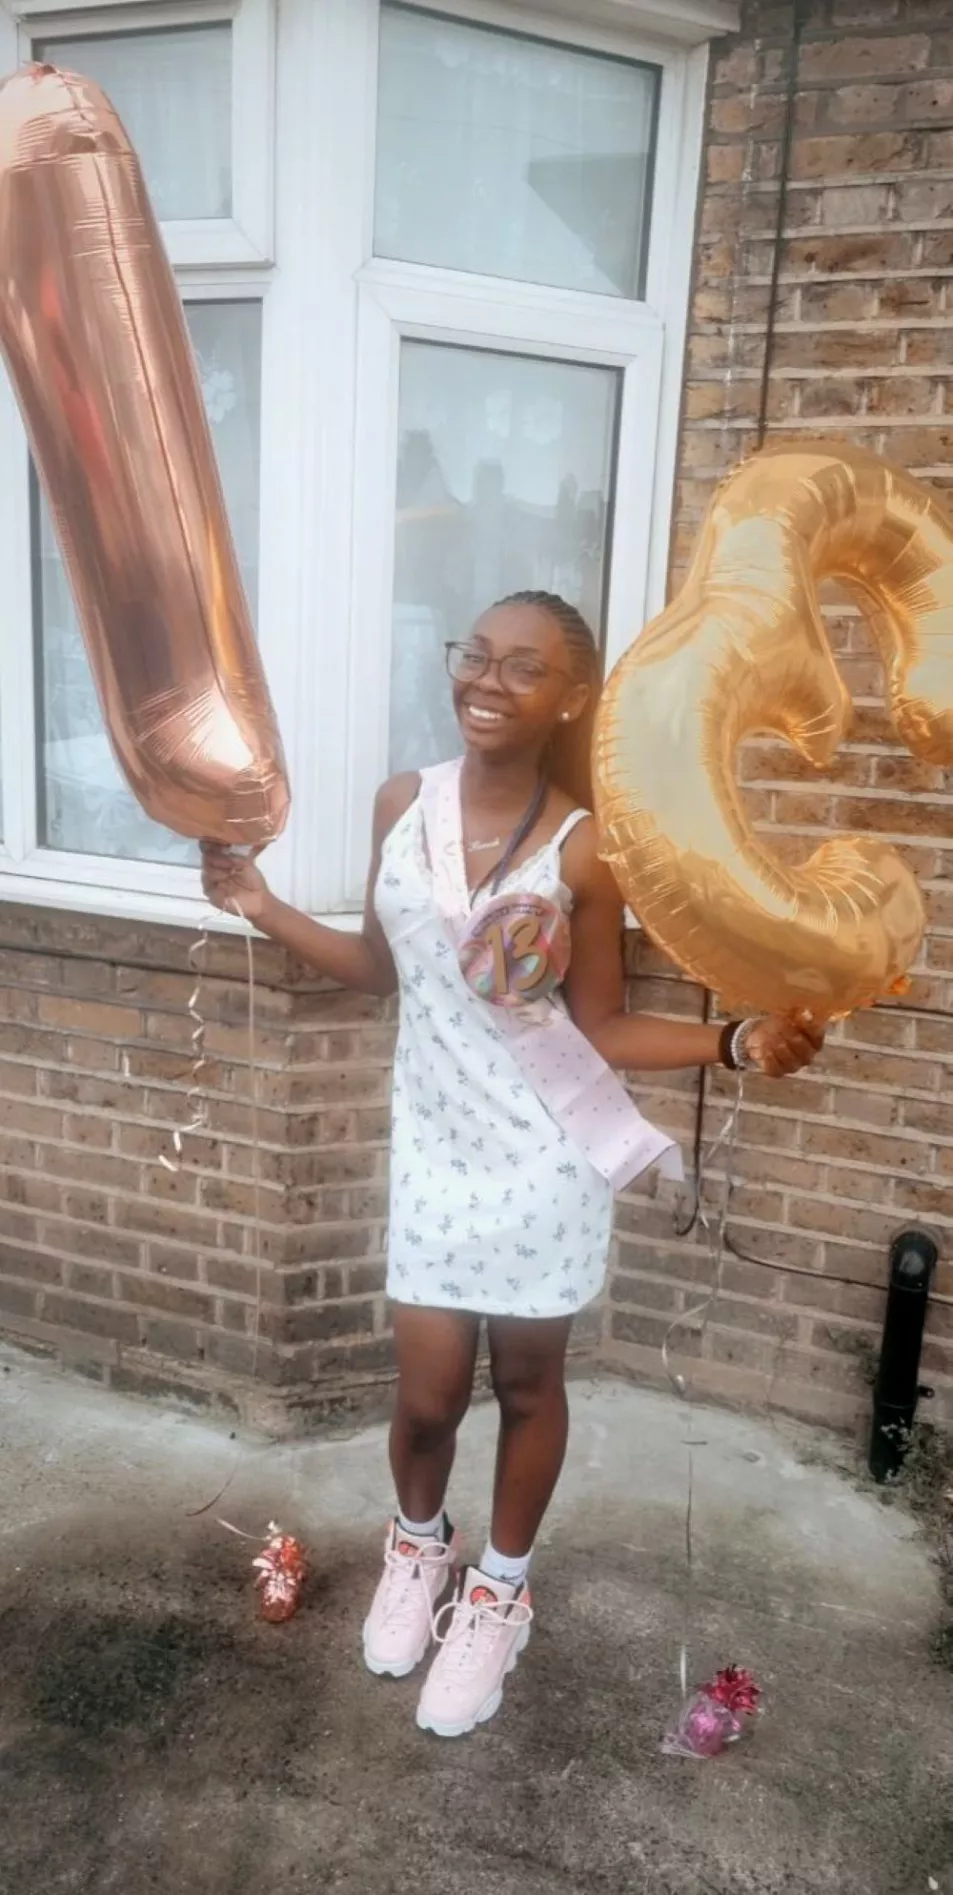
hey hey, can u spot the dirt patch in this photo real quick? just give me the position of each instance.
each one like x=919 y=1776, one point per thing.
x=927 y=1486
x=157 y=1738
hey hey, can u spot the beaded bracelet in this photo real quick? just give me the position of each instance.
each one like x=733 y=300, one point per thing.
x=732 y=1043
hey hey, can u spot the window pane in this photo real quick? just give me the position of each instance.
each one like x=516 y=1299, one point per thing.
x=83 y=799
x=505 y=482
x=512 y=157
x=173 y=92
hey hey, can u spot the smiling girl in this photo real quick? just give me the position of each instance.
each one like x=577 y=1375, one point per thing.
x=501 y=1191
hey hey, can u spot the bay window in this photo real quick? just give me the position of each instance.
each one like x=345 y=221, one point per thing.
x=435 y=261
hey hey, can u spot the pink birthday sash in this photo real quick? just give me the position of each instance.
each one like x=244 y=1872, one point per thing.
x=579 y=1090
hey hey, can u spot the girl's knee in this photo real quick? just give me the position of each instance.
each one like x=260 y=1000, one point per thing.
x=429 y=1417
x=526 y=1386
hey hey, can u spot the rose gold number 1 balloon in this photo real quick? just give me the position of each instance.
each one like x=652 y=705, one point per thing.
x=92 y=331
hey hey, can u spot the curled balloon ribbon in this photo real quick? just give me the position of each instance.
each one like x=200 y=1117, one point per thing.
x=196 y=1101
x=697 y=1318
x=93 y=335
x=743 y=649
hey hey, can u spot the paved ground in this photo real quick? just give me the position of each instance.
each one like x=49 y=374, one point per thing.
x=157 y=1739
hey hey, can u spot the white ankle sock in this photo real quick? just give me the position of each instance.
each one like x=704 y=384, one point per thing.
x=434 y=1529
x=508 y=1568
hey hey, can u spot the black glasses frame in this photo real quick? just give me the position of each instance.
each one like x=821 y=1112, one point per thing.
x=499 y=666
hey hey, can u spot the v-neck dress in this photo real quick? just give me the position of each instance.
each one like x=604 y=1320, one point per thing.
x=492 y=1207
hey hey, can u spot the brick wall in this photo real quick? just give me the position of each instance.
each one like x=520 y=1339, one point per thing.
x=154 y=1279
x=860 y=345
x=263 y=1296
x=151 y=1279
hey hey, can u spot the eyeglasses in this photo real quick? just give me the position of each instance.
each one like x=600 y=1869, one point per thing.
x=517 y=672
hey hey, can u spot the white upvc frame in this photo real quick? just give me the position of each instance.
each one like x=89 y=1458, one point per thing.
x=398 y=303
x=644 y=339
x=334 y=318
x=21 y=855
x=217 y=259
x=247 y=237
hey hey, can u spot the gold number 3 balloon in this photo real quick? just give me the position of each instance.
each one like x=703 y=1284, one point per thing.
x=743 y=649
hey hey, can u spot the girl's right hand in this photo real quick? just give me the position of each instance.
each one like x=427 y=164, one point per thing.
x=233 y=883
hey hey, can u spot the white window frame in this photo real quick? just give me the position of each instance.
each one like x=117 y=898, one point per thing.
x=247 y=237
x=334 y=318
x=397 y=303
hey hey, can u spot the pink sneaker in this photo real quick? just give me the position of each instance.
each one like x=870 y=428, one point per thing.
x=481 y=1634
x=399 y=1627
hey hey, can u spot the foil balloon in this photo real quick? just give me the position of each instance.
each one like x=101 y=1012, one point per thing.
x=743 y=649
x=94 y=339
x=515 y=950
x=281 y=1569
x=715 y=1716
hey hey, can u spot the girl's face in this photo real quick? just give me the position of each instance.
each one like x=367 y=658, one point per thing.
x=512 y=681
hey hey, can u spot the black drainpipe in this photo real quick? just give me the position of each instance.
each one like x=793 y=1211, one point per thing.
x=913 y=1259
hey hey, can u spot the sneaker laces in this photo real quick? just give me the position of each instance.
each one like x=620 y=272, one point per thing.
x=402 y=1573
x=471 y=1628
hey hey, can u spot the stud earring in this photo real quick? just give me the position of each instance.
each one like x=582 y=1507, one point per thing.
x=565 y=717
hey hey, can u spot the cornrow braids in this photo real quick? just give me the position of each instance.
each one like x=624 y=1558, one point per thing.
x=569 y=758
x=578 y=634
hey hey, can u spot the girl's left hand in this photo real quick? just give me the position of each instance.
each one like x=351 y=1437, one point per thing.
x=782 y=1044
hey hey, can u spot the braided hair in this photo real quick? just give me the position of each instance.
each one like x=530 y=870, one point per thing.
x=569 y=757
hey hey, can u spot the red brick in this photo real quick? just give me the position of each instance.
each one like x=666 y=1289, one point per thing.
x=835 y=349
x=16 y=1299
x=325 y=1323
x=934 y=1120
x=82 y=1279
x=843 y=1218
x=163 y=1336
x=894 y=816
x=156 y=1292
x=166 y=1220
x=864 y=106
x=97 y=1319
x=930 y=347
x=17 y=1077
x=79 y=1016
x=91 y=1167
x=871 y=1108
x=928 y=100
x=233 y=1275
x=901 y=395
x=853 y=154
x=652 y=1331
x=641 y=1292
x=36 y=1266
x=853 y=55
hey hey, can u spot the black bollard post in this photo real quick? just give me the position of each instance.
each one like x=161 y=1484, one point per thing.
x=913 y=1257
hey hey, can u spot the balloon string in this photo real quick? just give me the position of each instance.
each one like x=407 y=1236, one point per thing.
x=699 y=1315
x=252 y=1056
x=255 y=1136
x=195 y=1098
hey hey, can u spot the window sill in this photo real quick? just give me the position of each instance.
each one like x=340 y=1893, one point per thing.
x=168 y=911
x=125 y=904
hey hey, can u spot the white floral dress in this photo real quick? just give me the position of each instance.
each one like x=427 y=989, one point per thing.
x=492 y=1207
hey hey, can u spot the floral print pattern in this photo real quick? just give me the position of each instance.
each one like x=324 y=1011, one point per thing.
x=483 y=1188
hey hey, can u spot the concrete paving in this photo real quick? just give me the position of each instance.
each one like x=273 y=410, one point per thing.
x=155 y=1736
